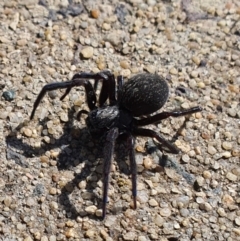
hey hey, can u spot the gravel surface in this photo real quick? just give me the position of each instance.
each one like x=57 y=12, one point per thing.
x=51 y=168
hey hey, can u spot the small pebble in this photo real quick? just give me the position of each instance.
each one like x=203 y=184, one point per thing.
x=236 y=230
x=221 y=212
x=227 y=145
x=153 y=203
x=227 y=199
x=8 y=201
x=237 y=221
x=52 y=238
x=207 y=174
x=226 y=154
x=54 y=154
x=22 y=42
x=236 y=152
x=87 y=52
x=98 y=212
x=64 y=117
x=173 y=71
x=90 y=233
x=142 y=238
x=183 y=201
x=53 y=191
x=194 y=74
x=54 y=205
x=185 y=222
x=236 y=171
x=184 y=212
x=82 y=184
x=47 y=139
x=69 y=224
x=185 y=158
x=171 y=173
x=199 y=200
x=104 y=234
x=28 y=238
x=196 y=60
x=2 y=183
x=129 y=236
x=139 y=148
x=9 y=95
x=200 y=181
x=101 y=65
x=91 y=209
x=147 y=162
x=44 y=238
x=150 y=69
x=165 y=212
x=27 y=132
x=176 y=226
x=21 y=226
x=124 y=64
x=158 y=220
x=30 y=202
x=44 y=159
x=106 y=26
x=95 y=13
x=70 y=233
x=211 y=150
x=205 y=206
x=232 y=112
x=201 y=85
x=231 y=177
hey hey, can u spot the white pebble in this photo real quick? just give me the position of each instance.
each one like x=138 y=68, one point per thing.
x=231 y=177
x=87 y=52
x=165 y=212
x=91 y=209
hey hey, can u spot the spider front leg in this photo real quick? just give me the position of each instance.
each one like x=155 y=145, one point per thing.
x=90 y=94
x=120 y=83
x=108 y=85
x=108 y=153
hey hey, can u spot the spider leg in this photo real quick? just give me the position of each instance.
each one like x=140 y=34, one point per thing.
x=153 y=134
x=90 y=94
x=108 y=88
x=108 y=153
x=164 y=115
x=133 y=168
x=120 y=83
x=80 y=113
x=96 y=85
x=108 y=85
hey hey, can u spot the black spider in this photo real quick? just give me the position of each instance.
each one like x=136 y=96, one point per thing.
x=142 y=95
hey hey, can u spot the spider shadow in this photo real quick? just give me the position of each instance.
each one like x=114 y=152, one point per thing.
x=72 y=142
x=76 y=145
x=172 y=139
x=23 y=149
x=64 y=198
x=121 y=155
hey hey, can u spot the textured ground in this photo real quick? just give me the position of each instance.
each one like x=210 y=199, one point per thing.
x=51 y=168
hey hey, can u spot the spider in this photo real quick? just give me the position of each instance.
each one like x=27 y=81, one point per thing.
x=121 y=110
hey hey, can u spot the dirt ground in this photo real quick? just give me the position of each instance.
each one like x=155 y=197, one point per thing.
x=51 y=167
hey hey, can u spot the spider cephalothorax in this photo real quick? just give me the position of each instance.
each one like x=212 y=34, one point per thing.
x=116 y=113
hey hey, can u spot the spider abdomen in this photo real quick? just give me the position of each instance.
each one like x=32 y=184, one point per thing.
x=144 y=94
